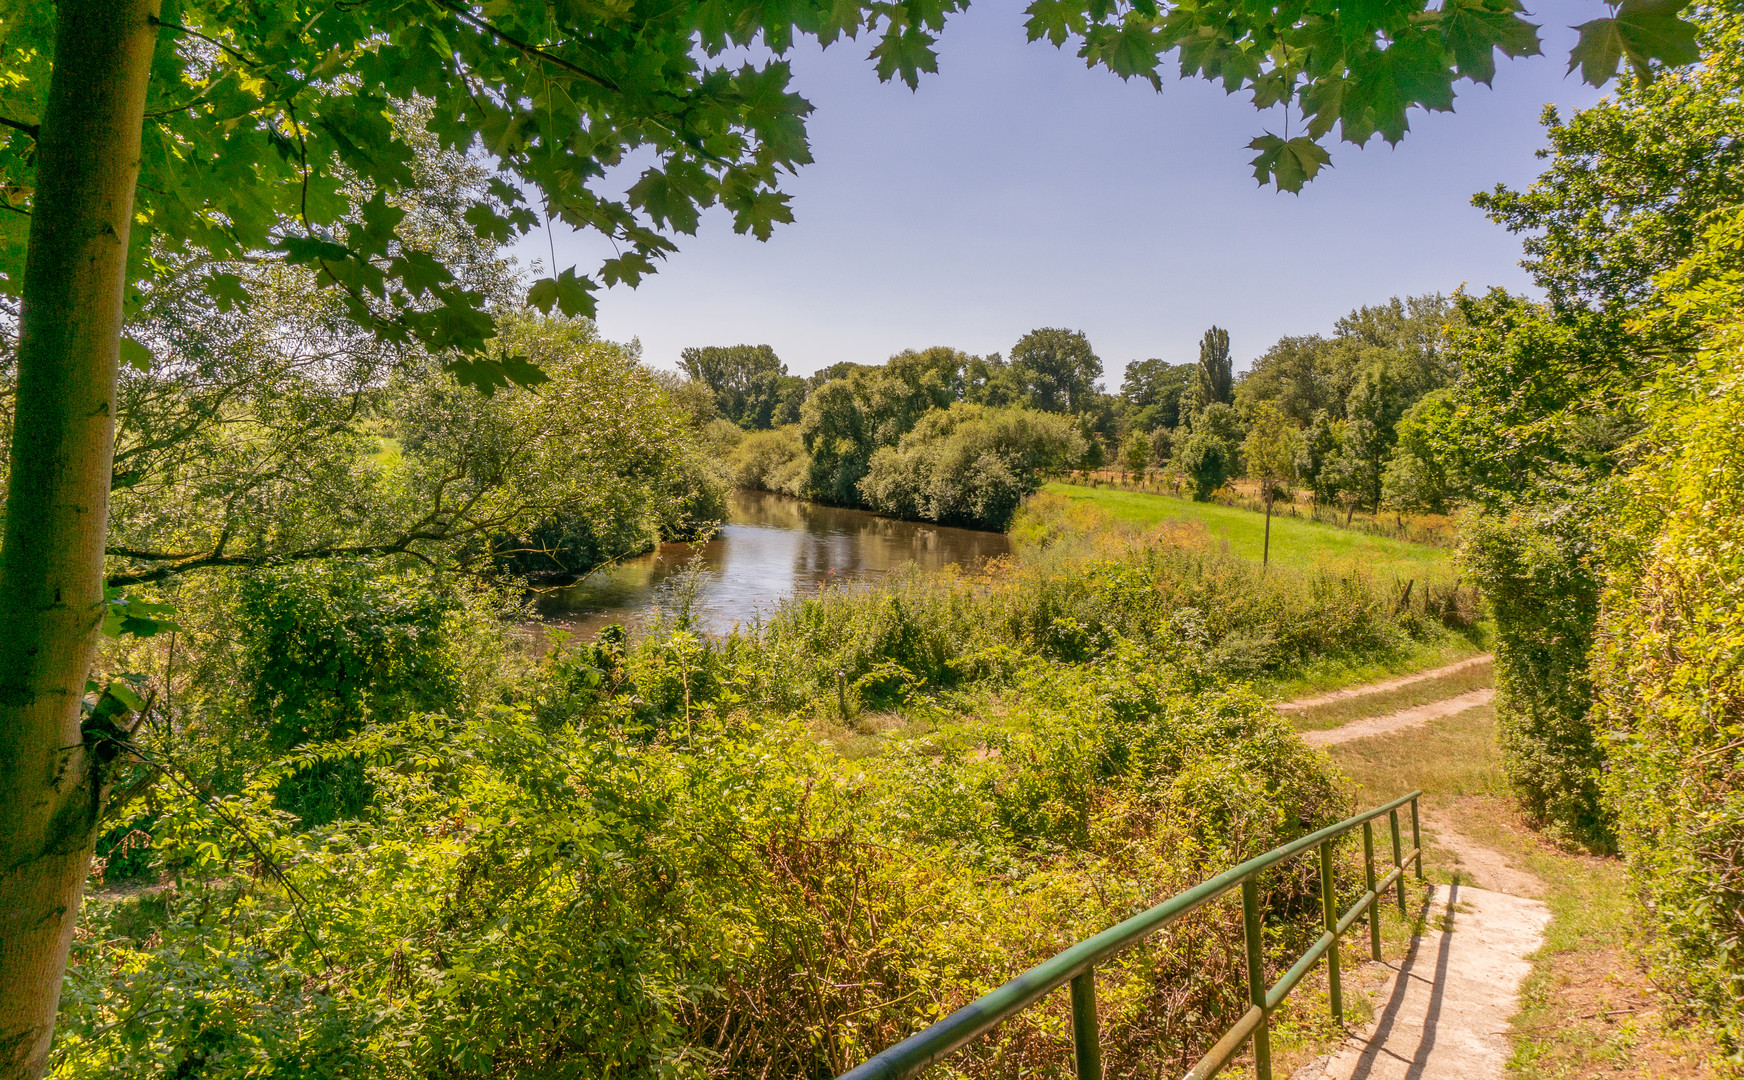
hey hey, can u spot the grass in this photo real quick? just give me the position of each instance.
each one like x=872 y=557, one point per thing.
x=1338 y=713
x=1338 y=672
x=1296 y=542
x=1588 y=1009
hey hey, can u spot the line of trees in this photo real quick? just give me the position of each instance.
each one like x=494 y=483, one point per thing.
x=1346 y=416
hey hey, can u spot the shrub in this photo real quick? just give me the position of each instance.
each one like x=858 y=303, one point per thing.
x=642 y=860
x=1670 y=691
x=1207 y=461
x=1537 y=571
x=563 y=897
x=771 y=461
x=969 y=465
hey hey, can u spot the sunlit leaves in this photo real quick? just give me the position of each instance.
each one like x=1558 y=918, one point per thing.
x=130 y=615
x=1287 y=163
x=1641 y=31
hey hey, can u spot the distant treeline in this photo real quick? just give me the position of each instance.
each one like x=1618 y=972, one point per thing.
x=944 y=435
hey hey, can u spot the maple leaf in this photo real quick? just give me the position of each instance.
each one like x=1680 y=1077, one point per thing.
x=419 y=271
x=905 y=50
x=1642 y=31
x=569 y=292
x=227 y=290
x=135 y=355
x=1287 y=163
x=1127 y=50
x=1472 y=30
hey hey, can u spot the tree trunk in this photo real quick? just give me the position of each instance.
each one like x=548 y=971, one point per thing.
x=1266 y=552
x=57 y=500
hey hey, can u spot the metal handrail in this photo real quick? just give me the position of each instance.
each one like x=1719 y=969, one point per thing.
x=1077 y=964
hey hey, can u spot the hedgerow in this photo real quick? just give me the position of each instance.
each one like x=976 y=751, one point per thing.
x=1671 y=696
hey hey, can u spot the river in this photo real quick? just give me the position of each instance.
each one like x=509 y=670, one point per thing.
x=770 y=548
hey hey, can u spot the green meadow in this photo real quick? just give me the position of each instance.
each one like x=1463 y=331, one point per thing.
x=1297 y=542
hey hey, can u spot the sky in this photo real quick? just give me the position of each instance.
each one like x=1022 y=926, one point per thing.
x=1017 y=189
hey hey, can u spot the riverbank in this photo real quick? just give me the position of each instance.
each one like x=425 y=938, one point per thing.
x=771 y=547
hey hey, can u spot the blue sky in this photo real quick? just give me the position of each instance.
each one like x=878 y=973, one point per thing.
x=1017 y=189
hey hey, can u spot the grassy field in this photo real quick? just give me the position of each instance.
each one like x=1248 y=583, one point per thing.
x=1296 y=542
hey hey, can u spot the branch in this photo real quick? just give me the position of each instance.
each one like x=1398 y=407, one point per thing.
x=19 y=125
x=185 y=563
x=525 y=48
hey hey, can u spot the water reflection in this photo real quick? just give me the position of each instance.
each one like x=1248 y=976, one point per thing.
x=771 y=547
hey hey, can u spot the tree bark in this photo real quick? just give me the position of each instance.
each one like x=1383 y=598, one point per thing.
x=1266 y=552
x=57 y=500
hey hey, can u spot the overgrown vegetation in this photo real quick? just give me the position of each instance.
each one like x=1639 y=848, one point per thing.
x=639 y=856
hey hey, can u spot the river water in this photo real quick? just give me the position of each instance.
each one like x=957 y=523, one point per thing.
x=771 y=547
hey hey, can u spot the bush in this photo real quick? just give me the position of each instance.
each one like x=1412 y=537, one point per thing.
x=969 y=465
x=1207 y=461
x=1670 y=689
x=1537 y=570
x=564 y=897
x=771 y=461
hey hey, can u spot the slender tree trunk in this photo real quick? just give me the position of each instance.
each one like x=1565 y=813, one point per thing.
x=1266 y=552
x=57 y=500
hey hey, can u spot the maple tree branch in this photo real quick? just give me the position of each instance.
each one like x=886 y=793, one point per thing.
x=526 y=48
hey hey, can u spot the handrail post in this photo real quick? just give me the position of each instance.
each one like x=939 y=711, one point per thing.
x=1329 y=911
x=1375 y=902
x=1086 y=1035
x=1398 y=861
x=1256 y=978
x=1417 y=839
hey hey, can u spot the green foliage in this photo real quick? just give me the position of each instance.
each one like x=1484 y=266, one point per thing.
x=328 y=646
x=751 y=385
x=1213 y=379
x=1536 y=570
x=1058 y=369
x=1135 y=454
x=638 y=859
x=1547 y=411
x=1154 y=390
x=1271 y=448
x=772 y=461
x=1670 y=705
x=596 y=465
x=1207 y=461
x=1632 y=180
x=970 y=465
x=1417 y=479
x=1317 y=456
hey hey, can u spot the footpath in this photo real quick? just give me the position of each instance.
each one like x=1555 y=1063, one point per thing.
x=1442 y=1010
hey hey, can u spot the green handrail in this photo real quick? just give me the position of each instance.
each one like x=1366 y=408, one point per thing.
x=1077 y=964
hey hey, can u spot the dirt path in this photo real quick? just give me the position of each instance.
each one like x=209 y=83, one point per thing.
x=1444 y=1012
x=1404 y=718
x=1478 y=865
x=1383 y=687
